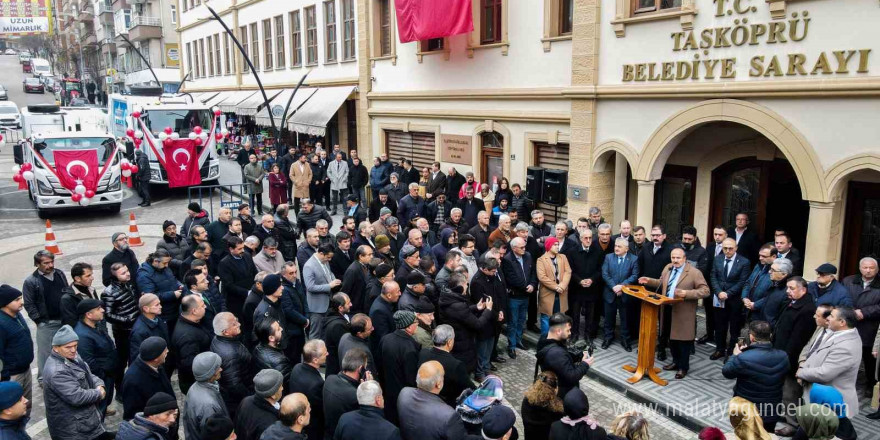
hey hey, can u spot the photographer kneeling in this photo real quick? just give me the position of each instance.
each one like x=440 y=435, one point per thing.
x=554 y=354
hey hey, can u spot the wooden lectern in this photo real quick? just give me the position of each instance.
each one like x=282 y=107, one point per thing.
x=651 y=303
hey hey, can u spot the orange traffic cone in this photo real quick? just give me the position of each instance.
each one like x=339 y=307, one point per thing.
x=51 y=244
x=134 y=238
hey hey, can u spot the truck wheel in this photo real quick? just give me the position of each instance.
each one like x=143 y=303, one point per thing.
x=43 y=214
x=114 y=209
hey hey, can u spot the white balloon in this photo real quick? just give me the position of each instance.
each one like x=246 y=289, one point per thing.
x=16 y=169
x=80 y=189
x=139 y=134
x=162 y=136
x=126 y=173
x=193 y=135
x=85 y=201
x=203 y=135
x=175 y=135
x=124 y=160
x=28 y=175
x=224 y=132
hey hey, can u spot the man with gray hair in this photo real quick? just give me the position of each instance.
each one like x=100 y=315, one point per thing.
x=340 y=390
x=411 y=206
x=503 y=232
x=367 y=422
x=269 y=259
x=251 y=245
x=618 y=269
x=423 y=414
x=864 y=289
x=455 y=375
x=596 y=219
x=306 y=379
x=358 y=336
x=236 y=379
x=455 y=222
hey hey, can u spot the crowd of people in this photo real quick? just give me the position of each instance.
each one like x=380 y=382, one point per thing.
x=404 y=305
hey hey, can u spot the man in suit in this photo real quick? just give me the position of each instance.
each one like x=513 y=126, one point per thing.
x=356 y=279
x=306 y=379
x=586 y=285
x=618 y=269
x=681 y=281
x=794 y=326
x=517 y=267
x=320 y=284
x=436 y=183
x=713 y=250
x=729 y=276
x=784 y=249
x=747 y=241
x=652 y=260
x=836 y=363
x=237 y=272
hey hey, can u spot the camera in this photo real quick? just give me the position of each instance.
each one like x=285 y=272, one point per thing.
x=576 y=349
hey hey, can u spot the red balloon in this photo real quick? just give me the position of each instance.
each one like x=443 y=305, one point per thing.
x=26 y=166
x=17 y=177
x=218 y=136
x=125 y=165
x=217 y=112
x=1 y=138
x=169 y=130
x=134 y=169
x=137 y=142
x=89 y=194
x=129 y=133
x=197 y=129
x=198 y=142
x=76 y=197
x=136 y=115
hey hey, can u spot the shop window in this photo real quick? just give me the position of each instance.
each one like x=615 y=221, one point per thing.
x=418 y=147
x=279 y=41
x=330 y=31
x=311 y=36
x=267 y=43
x=490 y=21
x=295 y=39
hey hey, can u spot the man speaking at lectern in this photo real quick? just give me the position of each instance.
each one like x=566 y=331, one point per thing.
x=683 y=281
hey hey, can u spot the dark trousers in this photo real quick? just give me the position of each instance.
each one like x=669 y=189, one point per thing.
x=108 y=398
x=143 y=189
x=870 y=367
x=594 y=309
x=257 y=203
x=710 y=317
x=665 y=327
x=633 y=318
x=121 y=337
x=325 y=192
x=289 y=189
x=338 y=198
x=578 y=303
x=294 y=349
x=296 y=204
x=618 y=307
x=171 y=360
x=728 y=324
x=681 y=353
x=532 y=320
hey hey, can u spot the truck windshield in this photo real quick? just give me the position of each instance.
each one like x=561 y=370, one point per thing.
x=181 y=121
x=50 y=146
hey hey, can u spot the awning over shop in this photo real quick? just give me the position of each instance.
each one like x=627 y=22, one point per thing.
x=204 y=97
x=280 y=103
x=255 y=102
x=231 y=99
x=314 y=115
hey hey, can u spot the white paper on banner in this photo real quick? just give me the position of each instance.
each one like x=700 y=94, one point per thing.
x=21 y=25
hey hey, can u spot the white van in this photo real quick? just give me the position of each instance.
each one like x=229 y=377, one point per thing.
x=40 y=67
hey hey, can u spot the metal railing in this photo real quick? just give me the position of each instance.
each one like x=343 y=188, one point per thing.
x=144 y=21
x=229 y=196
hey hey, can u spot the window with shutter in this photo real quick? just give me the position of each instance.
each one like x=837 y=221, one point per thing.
x=418 y=147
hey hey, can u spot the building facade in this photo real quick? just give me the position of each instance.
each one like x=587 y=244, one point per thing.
x=662 y=111
x=285 y=40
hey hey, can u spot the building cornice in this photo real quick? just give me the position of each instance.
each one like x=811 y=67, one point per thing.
x=290 y=85
x=832 y=88
x=473 y=94
x=477 y=115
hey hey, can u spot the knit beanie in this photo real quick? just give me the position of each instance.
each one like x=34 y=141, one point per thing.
x=217 y=428
x=381 y=241
x=159 y=403
x=423 y=306
x=271 y=283
x=415 y=277
x=152 y=348
x=115 y=236
x=8 y=294
x=383 y=269
x=10 y=394
x=205 y=365
x=384 y=210
x=549 y=242
x=65 y=335
x=194 y=207
x=267 y=382
x=404 y=319
x=167 y=223
x=497 y=421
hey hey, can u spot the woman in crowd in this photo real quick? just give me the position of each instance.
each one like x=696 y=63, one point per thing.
x=277 y=187
x=503 y=190
x=747 y=423
x=541 y=406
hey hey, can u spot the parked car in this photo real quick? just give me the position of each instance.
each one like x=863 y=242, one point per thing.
x=33 y=85
x=10 y=116
x=78 y=102
x=10 y=52
x=24 y=56
x=4 y=94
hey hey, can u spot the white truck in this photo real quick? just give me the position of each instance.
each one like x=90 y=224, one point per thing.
x=41 y=67
x=49 y=128
x=158 y=112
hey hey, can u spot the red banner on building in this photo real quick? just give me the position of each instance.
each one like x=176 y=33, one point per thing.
x=182 y=163
x=425 y=19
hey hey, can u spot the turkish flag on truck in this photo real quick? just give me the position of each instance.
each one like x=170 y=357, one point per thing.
x=77 y=166
x=425 y=19
x=181 y=163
